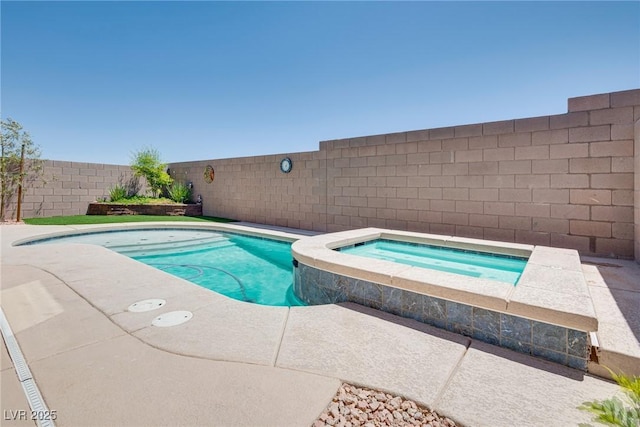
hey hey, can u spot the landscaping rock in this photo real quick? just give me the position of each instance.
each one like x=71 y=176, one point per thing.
x=354 y=406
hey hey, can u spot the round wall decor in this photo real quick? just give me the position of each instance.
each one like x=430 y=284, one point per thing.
x=209 y=174
x=286 y=165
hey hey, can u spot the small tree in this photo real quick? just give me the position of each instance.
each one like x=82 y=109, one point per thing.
x=16 y=145
x=147 y=163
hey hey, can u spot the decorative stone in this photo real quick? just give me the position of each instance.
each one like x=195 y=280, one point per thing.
x=395 y=402
x=390 y=418
x=334 y=410
x=367 y=409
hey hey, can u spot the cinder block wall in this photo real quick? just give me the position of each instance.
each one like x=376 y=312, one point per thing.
x=637 y=189
x=569 y=180
x=562 y=180
x=67 y=188
x=253 y=189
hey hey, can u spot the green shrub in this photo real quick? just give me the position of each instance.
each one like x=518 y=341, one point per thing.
x=615 y=411
x=147 y=163
x=117 y=192
x=179 y=193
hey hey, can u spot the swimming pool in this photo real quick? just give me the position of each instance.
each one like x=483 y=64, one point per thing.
x=246 y=268
x=484 y=265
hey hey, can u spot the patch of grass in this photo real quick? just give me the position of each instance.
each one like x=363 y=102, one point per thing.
x=113 y=219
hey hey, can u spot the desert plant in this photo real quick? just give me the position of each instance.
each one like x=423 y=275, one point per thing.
x=615 y=411
x=117 y=192
x=147 y=163
x=179 y=192
x=16 y=144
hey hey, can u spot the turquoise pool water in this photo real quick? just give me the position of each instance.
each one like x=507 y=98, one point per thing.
x=475 y=264
x=241 y=267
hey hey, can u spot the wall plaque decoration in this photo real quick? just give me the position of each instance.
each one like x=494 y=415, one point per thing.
x=209 y=174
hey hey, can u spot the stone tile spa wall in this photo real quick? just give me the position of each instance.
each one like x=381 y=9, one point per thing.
x=558 y=344
x=563 y=180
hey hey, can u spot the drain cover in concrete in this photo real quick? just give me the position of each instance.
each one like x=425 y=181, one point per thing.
x=172 y=318
x=146 y=305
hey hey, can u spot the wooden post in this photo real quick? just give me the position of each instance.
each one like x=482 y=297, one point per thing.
x=20 y=184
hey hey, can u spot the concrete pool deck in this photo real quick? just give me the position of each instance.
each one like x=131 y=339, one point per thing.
x=236 y=363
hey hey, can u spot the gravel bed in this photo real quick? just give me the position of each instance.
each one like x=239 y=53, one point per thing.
x=354 y=406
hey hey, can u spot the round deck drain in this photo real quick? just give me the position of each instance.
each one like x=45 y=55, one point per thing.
x=146 y=305
x=172 y=318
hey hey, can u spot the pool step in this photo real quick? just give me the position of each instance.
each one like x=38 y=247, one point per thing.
x=176 y=246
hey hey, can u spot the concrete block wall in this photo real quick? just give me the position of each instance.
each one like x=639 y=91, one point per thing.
x=637 y=189
x=254 y=189
x=68 y=188
x=562 y=180
x=569 y=180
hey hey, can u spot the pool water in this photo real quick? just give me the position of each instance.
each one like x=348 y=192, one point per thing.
x=241 y=267
x=502 y=268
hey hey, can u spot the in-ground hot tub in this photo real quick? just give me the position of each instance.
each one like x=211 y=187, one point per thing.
x=498 y=267
x=547 y=313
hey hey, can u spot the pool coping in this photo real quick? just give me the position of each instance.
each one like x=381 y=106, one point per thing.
x=79 y=229
x=551 y=289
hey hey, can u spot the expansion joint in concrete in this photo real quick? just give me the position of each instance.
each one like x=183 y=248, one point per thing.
x=284 y=328
x=451 y=375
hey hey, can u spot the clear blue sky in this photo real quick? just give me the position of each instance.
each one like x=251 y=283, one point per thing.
x=94 y=81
